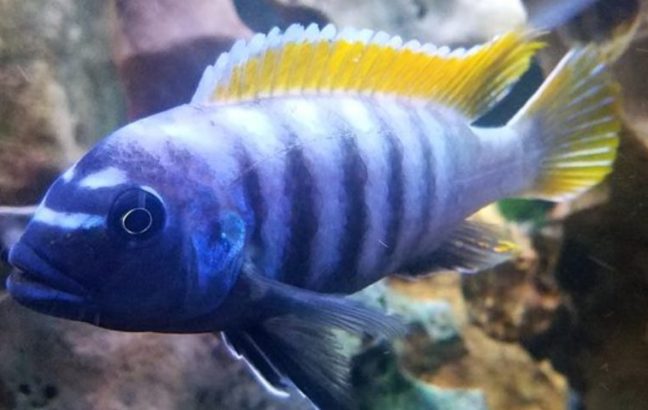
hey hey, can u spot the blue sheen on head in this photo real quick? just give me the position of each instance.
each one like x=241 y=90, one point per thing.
x=217 y=250
x=129 y=245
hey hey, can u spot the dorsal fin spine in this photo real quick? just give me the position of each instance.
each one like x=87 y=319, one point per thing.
x=414 y=50
x=393 y=74
x=338 y=58
x=268 y=61
x=239 y=53
x=320 y=52
x=353 y=51
x=322 y=49
x=423 y=65
x=310 y=36
x=292 y=39
x=252 y=70
x=358 y=47
x=394 y=43
x=378 y=73
x=378 y=40
x=461 y=81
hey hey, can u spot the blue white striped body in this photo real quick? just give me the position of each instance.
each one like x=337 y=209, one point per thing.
x=339 y=191
x=387 y=180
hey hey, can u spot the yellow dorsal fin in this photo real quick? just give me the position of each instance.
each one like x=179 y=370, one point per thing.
x=321 y=61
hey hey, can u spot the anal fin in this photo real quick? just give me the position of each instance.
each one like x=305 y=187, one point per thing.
x=308 y=356
x=470 y=248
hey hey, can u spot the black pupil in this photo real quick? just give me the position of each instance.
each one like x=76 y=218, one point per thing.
x=137 y=214
x=137 y=221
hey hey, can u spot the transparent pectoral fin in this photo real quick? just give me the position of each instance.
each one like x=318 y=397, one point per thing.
x=472 y=247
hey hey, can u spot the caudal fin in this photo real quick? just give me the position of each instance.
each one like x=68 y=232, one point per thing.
x=571 y=127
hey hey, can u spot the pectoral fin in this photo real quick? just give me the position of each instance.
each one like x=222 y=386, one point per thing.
x=472 y=247
x=295 y=339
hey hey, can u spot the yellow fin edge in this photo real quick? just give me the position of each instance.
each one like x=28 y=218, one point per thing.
x=308 y=61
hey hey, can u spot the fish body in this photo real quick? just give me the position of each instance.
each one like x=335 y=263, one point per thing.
x=337 y=191
x=306 y=167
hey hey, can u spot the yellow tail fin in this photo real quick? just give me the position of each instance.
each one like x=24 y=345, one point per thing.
x=571 y=126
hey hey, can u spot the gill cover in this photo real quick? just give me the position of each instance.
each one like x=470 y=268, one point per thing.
x=217 y=250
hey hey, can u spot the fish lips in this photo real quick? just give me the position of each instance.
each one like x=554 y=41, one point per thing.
x=39 y=286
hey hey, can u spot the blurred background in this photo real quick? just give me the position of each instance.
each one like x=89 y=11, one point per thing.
x=564 y=326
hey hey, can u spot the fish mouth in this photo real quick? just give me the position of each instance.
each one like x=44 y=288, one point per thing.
x=35 y=282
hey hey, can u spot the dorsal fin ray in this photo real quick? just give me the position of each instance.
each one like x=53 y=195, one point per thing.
x=324 y=61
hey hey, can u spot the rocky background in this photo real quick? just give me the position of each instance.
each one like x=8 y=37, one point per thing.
x=565 y=325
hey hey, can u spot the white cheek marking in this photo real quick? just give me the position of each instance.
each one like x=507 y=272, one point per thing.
x=106 y=178
x=67 y=220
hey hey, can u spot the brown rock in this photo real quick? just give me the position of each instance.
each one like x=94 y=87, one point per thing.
x=52 y=363
x=439 y=21
x=57 y=91
x=504 y=372
x=598 y=335
x=162 y=47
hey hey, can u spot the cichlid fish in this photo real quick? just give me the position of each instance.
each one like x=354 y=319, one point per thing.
x=308 y=165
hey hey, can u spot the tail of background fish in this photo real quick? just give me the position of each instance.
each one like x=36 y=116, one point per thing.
x=610 y=24
x=570 y=127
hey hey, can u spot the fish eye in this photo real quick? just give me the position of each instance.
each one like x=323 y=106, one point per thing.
x=137 y=221
x=137 y=213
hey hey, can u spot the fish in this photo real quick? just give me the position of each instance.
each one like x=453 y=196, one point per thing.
x=611 y=25
x=550 y=14
x=309 y=164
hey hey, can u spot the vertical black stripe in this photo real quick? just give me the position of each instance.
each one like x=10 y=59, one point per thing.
x=252 y=193
x=395 y=184
x=299 y=192
x=356 y=212
x=428 y=181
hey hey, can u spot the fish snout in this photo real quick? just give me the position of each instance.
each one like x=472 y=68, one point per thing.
x=32 y=271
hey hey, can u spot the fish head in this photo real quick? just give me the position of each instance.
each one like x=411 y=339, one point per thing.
x=127 y=245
